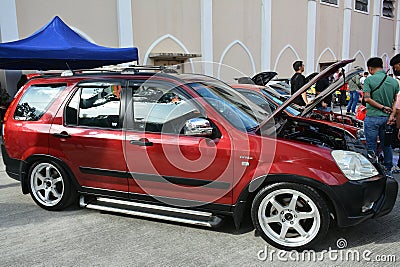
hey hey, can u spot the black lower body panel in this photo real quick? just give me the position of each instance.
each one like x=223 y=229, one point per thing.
x=12 y=165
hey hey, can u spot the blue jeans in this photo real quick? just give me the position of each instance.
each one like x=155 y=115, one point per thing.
x=374 y=127
x=354 y=95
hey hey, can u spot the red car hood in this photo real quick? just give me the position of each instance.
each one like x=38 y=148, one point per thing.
x=325 y=73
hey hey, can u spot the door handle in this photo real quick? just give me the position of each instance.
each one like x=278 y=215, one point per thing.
x=63 y=134
x=141 y=142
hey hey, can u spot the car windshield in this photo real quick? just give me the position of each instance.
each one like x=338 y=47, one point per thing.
x=236 y=109
x=278 y=90
x=289 y=109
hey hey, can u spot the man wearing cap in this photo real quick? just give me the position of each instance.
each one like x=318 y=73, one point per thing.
x=354 y=88
x=380 y=92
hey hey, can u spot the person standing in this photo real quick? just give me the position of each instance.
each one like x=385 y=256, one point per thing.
x=354 y=86
x=337 y=75
x=297 y=81
x=343 y=89
x=362 y=79
x=320 y=86
x=380 y=92
x=395 y=64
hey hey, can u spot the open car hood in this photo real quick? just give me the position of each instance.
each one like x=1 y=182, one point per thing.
x=325 y=73
x=331 y=89
x=263 y=78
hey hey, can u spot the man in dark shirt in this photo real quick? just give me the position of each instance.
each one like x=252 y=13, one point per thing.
x=320 y=86
x=297 y=81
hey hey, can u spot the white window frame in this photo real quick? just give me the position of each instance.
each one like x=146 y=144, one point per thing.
x=360 y=11
x=394 y=10
x=329 y=4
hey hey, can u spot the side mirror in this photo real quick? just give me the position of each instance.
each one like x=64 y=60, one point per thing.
x=198 y=127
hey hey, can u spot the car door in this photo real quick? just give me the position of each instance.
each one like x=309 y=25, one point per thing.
x=162 y=160
x=87 y=135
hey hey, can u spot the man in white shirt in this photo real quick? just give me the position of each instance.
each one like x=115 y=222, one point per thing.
x=362 y=79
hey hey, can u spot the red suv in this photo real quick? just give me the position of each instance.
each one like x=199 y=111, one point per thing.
x=188 y=148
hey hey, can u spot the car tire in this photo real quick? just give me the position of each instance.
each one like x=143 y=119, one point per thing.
x=290 y=216
x=50 y=187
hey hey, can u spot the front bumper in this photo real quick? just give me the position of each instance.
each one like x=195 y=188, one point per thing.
x=358 y=201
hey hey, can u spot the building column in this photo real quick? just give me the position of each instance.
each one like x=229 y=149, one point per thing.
x=397 y=38
x=376 y=14
x=125 y=25
x=311 y=22
x=346 y=29
x=9 y=33
x=207 y=37
x=266 y=34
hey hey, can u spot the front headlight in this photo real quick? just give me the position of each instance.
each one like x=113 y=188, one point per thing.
x=354 y=165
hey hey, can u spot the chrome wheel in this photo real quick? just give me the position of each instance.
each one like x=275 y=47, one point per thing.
x=289 y=215
x=47 y=184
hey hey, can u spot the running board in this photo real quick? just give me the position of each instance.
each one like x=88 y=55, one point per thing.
x=152 y=211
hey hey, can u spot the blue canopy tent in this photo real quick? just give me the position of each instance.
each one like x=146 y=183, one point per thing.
x=57 y=47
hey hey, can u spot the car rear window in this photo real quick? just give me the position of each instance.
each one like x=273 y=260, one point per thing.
x=36 y=100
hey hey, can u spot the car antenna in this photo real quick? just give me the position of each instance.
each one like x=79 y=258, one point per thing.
x=66 y=73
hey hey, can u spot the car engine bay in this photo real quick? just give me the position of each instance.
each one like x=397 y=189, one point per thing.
x=316 y=134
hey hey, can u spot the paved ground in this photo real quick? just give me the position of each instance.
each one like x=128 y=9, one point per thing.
x=31 y=236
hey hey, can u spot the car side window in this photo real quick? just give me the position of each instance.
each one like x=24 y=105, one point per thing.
x=36 y=100
x=161 y=108
x=95 y=105
x=260 y=101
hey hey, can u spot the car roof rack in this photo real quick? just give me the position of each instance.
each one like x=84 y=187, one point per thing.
x=131 y=69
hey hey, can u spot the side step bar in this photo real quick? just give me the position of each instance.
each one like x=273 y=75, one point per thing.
x=152 y=211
